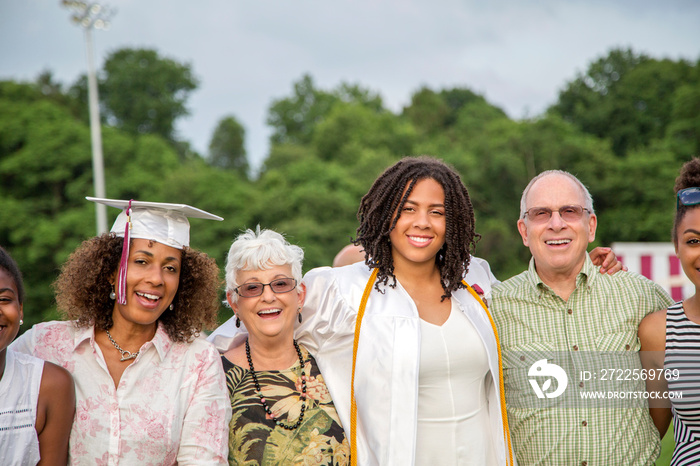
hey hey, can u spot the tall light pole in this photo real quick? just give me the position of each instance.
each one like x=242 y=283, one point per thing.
x=89 y=16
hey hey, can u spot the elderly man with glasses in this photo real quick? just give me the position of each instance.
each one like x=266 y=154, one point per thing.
x=569 y=339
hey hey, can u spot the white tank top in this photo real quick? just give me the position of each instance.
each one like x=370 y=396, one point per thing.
x=453 y=414
x=19 y=394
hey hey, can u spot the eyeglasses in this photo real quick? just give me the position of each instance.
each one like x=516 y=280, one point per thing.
x=568 y=213
x=688 y=197
x=253 y=289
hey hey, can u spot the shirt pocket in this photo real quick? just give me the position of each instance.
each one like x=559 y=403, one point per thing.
x=517 y=362
x=616 y=362
x=618 y=341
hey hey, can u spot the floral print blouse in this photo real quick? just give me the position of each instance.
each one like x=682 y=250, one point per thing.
x=170 y=407
x=254 y=438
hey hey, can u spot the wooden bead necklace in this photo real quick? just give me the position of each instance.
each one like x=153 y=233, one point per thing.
x=262 y=398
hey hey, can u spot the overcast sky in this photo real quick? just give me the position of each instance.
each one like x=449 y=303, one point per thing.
x=517 y=53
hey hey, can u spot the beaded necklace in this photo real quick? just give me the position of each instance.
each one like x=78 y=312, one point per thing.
x=262 y=398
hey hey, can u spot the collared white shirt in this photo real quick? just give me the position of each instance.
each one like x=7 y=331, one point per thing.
x=171 y=405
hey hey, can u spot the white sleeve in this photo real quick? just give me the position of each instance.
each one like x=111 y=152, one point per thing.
x=327 y=317
x=225 y=334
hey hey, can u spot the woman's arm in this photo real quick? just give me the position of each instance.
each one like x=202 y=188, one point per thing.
x=652 y=335
x=55 y=412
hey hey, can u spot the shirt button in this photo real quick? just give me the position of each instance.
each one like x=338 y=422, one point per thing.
x=522 y=358
x=584 y=463
x=584 y=423
x=575 y=347
x=570 y=311
x=580 y=384
x=627 y=347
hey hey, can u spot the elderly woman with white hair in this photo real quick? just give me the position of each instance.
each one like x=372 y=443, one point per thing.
x=282 y=410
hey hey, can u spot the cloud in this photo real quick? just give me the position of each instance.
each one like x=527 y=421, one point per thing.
x=247 y=53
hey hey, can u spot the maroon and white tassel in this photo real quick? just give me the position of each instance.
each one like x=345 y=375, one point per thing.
x=121 y=279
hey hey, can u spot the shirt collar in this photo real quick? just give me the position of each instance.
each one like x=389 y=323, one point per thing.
x=82 y=334
x=585 y=278
x=161 y=341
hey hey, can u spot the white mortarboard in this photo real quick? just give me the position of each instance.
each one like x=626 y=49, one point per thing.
x=158 y=221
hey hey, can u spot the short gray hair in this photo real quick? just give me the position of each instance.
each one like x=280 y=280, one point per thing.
x=588 y=201
x=261 y=250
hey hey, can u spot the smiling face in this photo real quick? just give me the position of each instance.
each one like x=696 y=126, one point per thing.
x=558 y=247
x=420 y=230
x=10 y=310
x=270 y=315
x=688 y=245
x=153 y=276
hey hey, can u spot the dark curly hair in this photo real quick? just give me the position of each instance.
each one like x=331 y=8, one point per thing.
x=8 y=264
x=84 y=284
x=386 y=197
x=688 y=178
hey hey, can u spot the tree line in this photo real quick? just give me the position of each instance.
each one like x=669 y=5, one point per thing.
x=624 y=127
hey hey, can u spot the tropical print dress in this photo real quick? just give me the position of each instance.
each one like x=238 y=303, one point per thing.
x=254 y=438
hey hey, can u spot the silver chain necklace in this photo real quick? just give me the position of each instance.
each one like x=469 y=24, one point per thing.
x=126 y=355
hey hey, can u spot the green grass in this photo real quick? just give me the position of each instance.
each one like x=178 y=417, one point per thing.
x=667 y=445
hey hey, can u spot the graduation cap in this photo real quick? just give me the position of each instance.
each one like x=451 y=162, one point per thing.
x=158 y=221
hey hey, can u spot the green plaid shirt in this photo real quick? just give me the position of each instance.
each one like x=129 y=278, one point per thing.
x=600 y=317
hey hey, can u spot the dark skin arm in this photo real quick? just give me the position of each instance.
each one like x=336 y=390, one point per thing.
x=652 y=335
x=607 y=260
x=55 y=413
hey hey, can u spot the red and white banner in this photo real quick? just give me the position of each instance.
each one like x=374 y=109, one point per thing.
x=657 y=262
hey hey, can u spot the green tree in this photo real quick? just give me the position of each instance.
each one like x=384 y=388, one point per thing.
x=78 y=92
x=625 y=98
x=432 y=112
x=143 y=92
x=46 y=171
x=447 y=120
x=226 y=149
x=581 y=100
x=294 y=118
x=351 y=128
x=313 y=202
x=634 y=198
x=684 y=129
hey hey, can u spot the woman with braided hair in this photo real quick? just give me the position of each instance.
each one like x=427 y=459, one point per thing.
x=426 y=386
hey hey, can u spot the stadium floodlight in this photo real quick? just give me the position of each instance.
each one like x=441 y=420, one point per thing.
x=91 y=16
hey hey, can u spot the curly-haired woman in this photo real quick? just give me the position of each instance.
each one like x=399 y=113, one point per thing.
x=149 y=391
